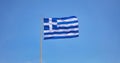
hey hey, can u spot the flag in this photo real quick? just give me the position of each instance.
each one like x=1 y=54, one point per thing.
x=64 y=27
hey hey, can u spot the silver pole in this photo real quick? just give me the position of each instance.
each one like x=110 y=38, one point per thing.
x=41 y=38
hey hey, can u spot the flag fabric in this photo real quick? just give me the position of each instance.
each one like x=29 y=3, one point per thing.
x=64 y=27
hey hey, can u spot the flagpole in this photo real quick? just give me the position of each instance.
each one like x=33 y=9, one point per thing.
x=41 y=41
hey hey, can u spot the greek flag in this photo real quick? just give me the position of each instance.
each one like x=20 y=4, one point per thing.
x=64 y=27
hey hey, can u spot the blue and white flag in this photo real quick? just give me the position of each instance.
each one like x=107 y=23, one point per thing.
x=65 y=27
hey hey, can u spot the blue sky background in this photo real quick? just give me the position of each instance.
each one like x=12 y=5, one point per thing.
x=99 y=40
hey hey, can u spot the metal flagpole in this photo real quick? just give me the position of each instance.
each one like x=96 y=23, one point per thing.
x=41 y=38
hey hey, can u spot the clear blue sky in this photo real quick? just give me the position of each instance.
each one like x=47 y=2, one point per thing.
x=99 y=40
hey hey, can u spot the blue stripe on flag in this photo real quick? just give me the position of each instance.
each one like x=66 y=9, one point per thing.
x=68 y=27
x=62 y=37
x=61 y=32
x=54 y=19
x=68 y=22
x=56 y=27
x=64 y=18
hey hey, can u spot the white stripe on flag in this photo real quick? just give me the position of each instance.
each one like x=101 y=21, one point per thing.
x=67 y=25
x=61 y=30
x=58 y=35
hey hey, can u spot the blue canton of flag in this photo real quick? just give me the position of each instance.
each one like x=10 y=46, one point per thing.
x=65 y=27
